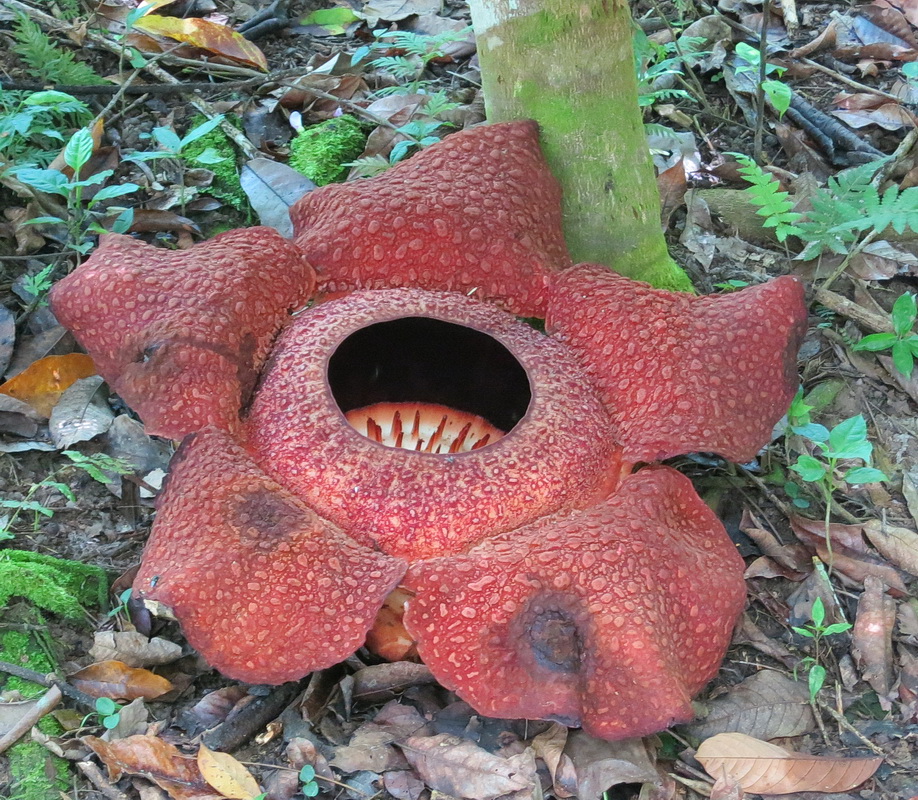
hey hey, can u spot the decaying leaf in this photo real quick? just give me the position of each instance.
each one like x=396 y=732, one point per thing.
x=765 y=768
x=133 y=649
x=898 y=545
x=157 y=761
x=600 y=764
x=42 y=384
x=460 y=768
x=767 y=706
x=227 y=775
x=872 y=635
x=272 y=188
x=218 y=39
x=119 y=681
x=80 y=414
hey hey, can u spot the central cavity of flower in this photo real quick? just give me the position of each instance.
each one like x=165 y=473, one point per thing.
x=427 y=385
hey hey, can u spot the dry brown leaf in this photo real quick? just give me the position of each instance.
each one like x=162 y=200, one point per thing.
x=42 y=384
x=765 y=768
x=600 y=764
x=117 y=680
x=218 y=39
x=157 y=761
x=460 y=768
x=767 y=706
x=134 y=649
x=227 y=775
x=872 y=635
x=898 y=545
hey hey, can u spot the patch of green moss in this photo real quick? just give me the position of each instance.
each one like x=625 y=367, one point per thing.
x=320 y=152
x=36 y=773
x=226 y=186
x=53 y=584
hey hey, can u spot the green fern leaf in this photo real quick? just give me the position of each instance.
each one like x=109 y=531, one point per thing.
x=48 y=62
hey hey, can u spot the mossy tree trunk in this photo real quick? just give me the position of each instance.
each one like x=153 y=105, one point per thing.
x=569 y=65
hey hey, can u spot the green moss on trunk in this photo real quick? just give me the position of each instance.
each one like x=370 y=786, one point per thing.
x=571 y=68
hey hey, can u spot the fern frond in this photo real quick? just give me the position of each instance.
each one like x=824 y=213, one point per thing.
x=48 y=62
x=773 y=204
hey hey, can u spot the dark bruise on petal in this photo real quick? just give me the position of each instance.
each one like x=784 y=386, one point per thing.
x=263 y=519
x=554 y=633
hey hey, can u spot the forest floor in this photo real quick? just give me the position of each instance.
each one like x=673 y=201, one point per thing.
x=78 y=474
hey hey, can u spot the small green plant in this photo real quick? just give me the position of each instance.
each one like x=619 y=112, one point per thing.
x=37 y=286
x=30 y=122
x=849 y=209
x=47 y=62
x=817 y=630
x=903 y=342
x=82 y=218
x=122 y=606
x=773 y=204
x=308 y=785
x=416 y=52
x=829 y=469
x=732 y=285
x=109 y=712
x=779 y=94
x=99 y=466
x=171 y=144
x=421 y=133
x=654 y=62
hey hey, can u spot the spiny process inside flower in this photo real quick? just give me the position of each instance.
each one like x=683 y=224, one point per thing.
x=548 y=581
x=423 y=427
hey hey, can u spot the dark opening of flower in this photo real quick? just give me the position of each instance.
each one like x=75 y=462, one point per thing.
x=423 y=384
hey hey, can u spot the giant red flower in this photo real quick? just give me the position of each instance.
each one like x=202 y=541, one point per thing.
x=409 y=431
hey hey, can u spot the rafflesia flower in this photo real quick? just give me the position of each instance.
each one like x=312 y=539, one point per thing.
x=409 y=431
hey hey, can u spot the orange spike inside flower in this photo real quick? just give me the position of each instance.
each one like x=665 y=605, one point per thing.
x=433 y=428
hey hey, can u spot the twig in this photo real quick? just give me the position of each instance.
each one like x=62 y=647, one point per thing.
x=48 y=701
x=763 y=487
x=848 y=308
x=861 y=87
x=791 y=20
x=836 y=273
x=49 y=680
x=758 y=149
x=97 y=779
x=840 y=719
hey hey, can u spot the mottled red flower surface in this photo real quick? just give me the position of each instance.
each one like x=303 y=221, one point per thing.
x=408 y=431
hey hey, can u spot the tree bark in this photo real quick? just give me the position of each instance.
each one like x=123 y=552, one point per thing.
x=569 y=65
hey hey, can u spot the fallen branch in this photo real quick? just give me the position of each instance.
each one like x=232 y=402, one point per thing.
x=47 y=702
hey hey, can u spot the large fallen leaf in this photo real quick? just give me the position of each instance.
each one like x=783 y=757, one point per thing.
x=872 y=636
x=134 y=649
x=272 y=188
x=461 y=768
x=767 y=706
x=898 y=545
x=119 y=681
x=42 y=384
x=157 y=761
x=210 y=36
x=599 y=764
x=80 y=414
x=227 y=775
x=765 y=768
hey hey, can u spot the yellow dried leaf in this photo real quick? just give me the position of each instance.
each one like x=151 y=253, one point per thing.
x=119 y=681
x=218 y=39
x=42 y=383
x=227 y=775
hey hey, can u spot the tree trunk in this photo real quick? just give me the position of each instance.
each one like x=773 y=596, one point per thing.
x=569 y=65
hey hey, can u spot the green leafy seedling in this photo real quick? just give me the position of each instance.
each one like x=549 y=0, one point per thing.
x=123 y=600
x=82 y=218
x=98 y=466
x=109 y=711
x=779 y=94
x=816 y=630
x=307 y=777
x=903 y=342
